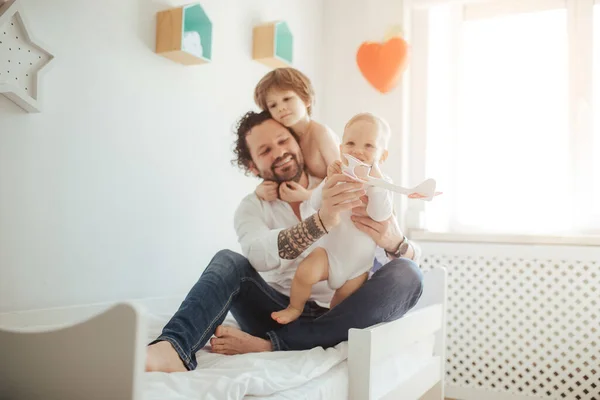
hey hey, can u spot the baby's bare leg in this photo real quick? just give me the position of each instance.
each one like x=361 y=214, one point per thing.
x=312 y=269
x=348 y=288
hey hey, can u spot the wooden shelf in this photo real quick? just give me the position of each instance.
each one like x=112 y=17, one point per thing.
x=273 y=44
x=184 y=35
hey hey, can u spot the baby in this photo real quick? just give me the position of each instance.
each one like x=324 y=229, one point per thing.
x=346 y=254
x=288 y=95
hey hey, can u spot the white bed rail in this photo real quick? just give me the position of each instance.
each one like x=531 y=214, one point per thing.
x=100 y=358
x=370 y=346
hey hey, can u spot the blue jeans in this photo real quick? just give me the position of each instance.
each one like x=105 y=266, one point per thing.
x=230 y=283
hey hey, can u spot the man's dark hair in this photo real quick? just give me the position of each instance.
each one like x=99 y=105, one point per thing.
x=244 y=126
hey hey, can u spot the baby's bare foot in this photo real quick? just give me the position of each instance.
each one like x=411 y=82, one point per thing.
x=286 y=316
x=162 y=357
x=230 y=340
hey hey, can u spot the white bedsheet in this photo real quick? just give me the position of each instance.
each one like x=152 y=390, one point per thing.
x=316 y=374
x=281 y=375
x=332 y=385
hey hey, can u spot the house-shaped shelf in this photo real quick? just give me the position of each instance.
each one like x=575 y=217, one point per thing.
x=22 y=58
x=273 y=44
x=184 y=35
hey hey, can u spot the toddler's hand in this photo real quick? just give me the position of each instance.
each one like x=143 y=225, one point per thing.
x=267 y=190
x=293 y=192
x=334 y=168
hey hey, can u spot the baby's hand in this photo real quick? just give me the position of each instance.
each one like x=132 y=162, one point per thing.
x=375 y=171
x=267 y=190
x=334 y=168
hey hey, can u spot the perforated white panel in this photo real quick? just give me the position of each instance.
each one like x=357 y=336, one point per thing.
x=527 y=327
x=20 y=60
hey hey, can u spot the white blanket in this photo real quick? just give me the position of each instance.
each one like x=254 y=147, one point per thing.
x=222 y=377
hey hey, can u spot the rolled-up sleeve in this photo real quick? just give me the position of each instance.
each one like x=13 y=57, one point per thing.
x=417 y=250
x=258 y=241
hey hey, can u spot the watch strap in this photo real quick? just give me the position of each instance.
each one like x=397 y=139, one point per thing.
x=402 y=249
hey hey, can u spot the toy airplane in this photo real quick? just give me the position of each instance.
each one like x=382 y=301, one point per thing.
x=424 y=191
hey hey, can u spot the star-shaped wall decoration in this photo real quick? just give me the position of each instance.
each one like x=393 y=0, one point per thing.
x=22 y=58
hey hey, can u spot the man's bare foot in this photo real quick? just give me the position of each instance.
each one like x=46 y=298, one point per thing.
x=230 y=340
x=286 y=316
x=162 y=357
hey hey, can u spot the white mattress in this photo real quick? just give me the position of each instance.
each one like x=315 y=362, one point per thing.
x=311 y=374
x=333 y=385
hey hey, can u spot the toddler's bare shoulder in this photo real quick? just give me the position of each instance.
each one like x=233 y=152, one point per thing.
x=325 y=133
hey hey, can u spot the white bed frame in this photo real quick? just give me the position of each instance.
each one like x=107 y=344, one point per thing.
x=56 y=363
x=101 y=358
x=369 y=346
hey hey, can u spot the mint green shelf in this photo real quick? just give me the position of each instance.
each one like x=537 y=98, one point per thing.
x=284 y=42
x=184 y=34
x=273 y=44
x=195 y=21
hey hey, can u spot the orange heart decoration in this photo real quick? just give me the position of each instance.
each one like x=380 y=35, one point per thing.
x=382 y=64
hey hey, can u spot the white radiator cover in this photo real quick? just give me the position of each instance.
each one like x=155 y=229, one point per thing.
x=523 y=321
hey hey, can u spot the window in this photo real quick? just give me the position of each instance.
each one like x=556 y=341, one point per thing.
x=597 y=111
x=505 y=116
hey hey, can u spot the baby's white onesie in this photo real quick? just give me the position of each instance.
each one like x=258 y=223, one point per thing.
x=350 y=251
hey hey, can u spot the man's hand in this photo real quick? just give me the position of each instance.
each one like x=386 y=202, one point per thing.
x=386 y=234
x=340 y=193
x=334 y=168
x=267 y=190
x=293 y=192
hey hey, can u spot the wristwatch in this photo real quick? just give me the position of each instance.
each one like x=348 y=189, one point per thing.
x=402 y=249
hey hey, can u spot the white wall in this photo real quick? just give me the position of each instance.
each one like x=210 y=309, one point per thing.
x=122 y=186
x=349 y=23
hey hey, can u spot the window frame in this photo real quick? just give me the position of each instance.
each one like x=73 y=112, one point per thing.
x=580 y=30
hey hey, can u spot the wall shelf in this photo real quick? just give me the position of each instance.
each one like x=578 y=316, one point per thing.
x=273 y=44
x=184 y=35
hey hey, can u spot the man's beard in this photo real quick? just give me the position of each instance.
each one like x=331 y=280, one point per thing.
x=284 y=176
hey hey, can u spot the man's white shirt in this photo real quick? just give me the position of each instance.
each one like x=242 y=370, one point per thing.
x=258 y=223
